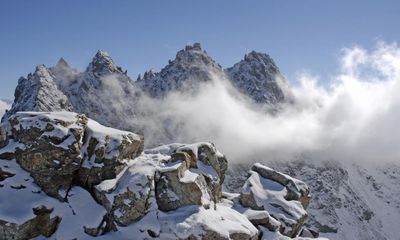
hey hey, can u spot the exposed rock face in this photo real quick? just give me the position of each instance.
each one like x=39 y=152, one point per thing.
x=258 y=77
x=283 y=197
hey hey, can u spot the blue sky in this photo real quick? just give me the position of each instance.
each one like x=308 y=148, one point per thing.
x=140 y=35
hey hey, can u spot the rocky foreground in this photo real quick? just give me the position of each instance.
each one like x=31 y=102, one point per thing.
x=64 y=176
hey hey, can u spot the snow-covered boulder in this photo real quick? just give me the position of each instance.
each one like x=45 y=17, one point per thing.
x=105 y=152
x=194 y=175
x=60 y=148
x=283 y=197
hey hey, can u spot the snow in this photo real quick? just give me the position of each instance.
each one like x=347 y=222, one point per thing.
x=12 y=146
x=267 y=193
x=189 y=176
x=268 y=235
x=81 y=209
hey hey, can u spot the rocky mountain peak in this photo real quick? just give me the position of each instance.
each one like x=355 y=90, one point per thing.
x=102 y=64
x=195 y=47
x=62 y=63
x=194 y=54
x=258 y=77
x=191 y=66
x=149 y=74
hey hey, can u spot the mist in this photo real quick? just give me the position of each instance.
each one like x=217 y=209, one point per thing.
x=350 y=117
x=3 y=107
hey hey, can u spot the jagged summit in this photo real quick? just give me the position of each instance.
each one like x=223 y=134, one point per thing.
x=259 y=56
x=38 y=92
x=258 y=77
x=195 y=47
x=103 y=64
x=190 y=66
x=62 y=63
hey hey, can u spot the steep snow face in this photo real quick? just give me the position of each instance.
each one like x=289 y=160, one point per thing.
x=258 y=77
x=191 y=66
x=38 y=92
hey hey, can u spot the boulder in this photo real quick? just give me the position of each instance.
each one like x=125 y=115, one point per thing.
x=106 y=151
x=177 y=186
x=193 y=176
x=278 y=194
x=60 y=149
x=296 y=189
x=128 y=197
x=52 y=144
x=41 y=225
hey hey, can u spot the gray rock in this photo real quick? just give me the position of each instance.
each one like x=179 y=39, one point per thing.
x=41 y=225
x=279 y=194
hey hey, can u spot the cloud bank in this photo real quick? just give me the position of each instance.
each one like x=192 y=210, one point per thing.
x=353 y=117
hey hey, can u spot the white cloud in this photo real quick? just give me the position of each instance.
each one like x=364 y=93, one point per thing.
x=3 y=107
x=355 y=118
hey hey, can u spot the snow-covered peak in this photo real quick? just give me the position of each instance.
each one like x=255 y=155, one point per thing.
x=194 y=54
x=102 y=64
x=258 y=77
x=190 y=66
x=38 y=92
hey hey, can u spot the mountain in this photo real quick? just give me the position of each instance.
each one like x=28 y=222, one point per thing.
x=190 y=66
x=99 y=92
x=258 y=76
x=349 y=201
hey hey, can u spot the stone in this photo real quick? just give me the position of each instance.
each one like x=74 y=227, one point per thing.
x=177 y=186
x=41 y=225
x=278 y=194
x=296 y=189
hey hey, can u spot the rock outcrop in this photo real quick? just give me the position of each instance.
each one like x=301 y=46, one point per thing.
x=84 y=180
x=59 y=149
